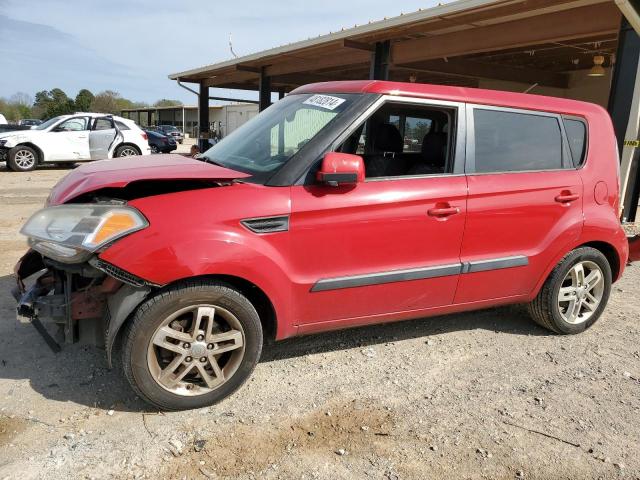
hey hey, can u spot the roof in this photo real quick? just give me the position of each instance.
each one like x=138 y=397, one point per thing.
x=456 y=94
x=425 y=41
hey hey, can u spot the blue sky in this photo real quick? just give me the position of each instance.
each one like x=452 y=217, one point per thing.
x=132 y=45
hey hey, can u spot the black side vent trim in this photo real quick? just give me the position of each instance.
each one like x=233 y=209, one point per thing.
x=267 y=224
x=118 y=273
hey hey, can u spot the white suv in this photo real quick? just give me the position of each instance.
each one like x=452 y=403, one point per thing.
x=73 y=138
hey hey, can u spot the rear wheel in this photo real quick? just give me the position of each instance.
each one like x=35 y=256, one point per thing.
x=154 y=149
x=126 y=151
x=575 y=294
x=192 y=345
x=22 y=158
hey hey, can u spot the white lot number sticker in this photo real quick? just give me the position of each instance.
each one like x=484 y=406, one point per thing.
x=324 y=101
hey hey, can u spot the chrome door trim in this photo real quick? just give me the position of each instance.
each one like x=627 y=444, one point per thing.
x=495 y=264
x=420 y=273
x=387 y=277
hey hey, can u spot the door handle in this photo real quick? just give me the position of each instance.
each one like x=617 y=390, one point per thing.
x=443 y=211
x=567 y=197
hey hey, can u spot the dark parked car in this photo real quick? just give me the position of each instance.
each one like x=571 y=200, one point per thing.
x=171 y=131
x=29 y=122
x=160 y=143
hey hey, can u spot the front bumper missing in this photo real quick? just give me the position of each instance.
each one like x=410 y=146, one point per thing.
x=52 y=297
x=90 y=302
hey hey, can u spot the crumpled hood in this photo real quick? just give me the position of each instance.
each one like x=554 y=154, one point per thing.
x=119 y=172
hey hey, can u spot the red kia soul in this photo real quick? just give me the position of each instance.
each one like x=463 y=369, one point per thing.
x=343 y=204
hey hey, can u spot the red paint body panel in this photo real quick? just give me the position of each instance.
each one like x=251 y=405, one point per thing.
x=374 y=226
x=516 y=214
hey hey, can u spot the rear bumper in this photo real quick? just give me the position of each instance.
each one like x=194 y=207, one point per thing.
x=634 y=248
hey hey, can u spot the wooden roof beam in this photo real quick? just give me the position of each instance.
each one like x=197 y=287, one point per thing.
x=470 y=68
x=589 y=21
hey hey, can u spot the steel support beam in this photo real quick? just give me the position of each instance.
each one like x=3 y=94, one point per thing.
x=203 y=117
x=148 y=118
x=380 y=60
x=624 y=108
x=264 y=92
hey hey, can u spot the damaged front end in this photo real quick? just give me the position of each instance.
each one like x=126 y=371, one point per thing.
x=87 y=304
x=87 y=298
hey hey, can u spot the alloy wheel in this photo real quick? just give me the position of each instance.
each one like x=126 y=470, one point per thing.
x=24 y=159
x=581 y=292
x=128 y=152
x=196 y=350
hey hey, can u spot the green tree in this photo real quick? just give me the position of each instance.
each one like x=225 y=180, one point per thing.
x=106 y=102
x=167 y=103
x=52 y=103
x=83 y=100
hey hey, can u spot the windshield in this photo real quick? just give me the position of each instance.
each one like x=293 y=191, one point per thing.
x=268 y=141
x=48 y=123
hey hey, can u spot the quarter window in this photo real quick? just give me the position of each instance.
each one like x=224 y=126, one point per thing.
x=511 y=142
x=577 y=135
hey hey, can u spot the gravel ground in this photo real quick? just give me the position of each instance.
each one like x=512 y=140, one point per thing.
x=478 y=395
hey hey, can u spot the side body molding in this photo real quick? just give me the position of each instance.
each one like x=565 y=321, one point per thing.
x=419 y=273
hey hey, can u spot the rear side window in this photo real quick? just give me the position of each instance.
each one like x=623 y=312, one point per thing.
x=102 y=124
x=577 y=137
x=511 y=142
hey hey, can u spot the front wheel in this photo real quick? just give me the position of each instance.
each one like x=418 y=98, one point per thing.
x=22 y=158
x=191 y=345
x=575 y=294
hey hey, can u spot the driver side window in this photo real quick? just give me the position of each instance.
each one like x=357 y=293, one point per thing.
x=76 y=124
x=405 y=140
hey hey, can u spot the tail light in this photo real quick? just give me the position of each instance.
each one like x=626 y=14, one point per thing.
x=144 y=136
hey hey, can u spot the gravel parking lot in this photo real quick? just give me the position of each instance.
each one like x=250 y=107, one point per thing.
x=479 y=395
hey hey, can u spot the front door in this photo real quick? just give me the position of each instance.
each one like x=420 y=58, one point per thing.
x=390 y=245
x=101 y=136
x=69 y=140
x=524 y=205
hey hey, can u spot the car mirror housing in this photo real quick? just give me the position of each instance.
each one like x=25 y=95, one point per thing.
x=341 y=169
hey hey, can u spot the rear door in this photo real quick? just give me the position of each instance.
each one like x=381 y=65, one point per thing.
x=524 y=204
x=101 y=136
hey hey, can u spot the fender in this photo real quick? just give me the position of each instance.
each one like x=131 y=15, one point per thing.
x=590 y=233
x=182 y=242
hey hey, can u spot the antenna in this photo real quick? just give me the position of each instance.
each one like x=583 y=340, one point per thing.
x=231 y=48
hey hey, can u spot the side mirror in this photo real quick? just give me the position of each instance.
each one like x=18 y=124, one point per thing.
x=341 y=169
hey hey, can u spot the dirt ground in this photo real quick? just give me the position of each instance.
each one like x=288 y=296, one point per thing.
x=471 y=396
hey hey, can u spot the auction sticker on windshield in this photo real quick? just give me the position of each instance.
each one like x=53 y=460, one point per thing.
x=324 y=101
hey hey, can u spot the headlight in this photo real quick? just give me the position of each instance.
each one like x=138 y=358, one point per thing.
x=2 y=142
x=71 y=233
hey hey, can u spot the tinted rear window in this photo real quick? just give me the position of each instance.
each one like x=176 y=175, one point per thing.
x=577 y=136
x=511 y=142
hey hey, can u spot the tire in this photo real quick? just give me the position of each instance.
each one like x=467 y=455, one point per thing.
x=154 y=149
x=146 y=360
x=556 y=310
x=22 y=159
x=126 y=150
